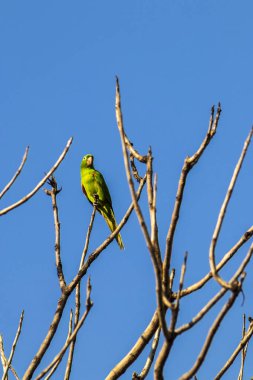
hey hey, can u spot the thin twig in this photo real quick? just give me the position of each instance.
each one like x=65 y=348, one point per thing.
x=155 y=249
x=152 y=195
x=11 y=182
x=73 y=335
x=69 y=360
x=149 y=243
x=53 y=193
x=240 y=271
x=40 y=184
x=171 y=279
x=167 y=345
x=220 y=294
x=244 y=350
x=86 y=245
x=3 y=357
x=49 y=336
x=175 y=309
x=119 y=119
x=188 y=165
x=78 y=298
x=70 y=323
x=4 y=360
x=8 y=364
x=222 y=213
x=150 y=358
x=54 y=368
x=242 y=344
x=202 y=312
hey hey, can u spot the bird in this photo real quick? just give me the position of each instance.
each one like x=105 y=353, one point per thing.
x=96 y=191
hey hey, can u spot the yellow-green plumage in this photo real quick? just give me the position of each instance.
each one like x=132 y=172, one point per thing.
x=96 y=190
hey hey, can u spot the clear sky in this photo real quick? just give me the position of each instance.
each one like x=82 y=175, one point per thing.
x=175 y=59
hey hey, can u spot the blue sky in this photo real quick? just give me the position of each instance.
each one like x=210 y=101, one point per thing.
x=175 y=59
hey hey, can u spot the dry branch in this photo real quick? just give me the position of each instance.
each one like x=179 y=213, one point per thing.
x=244 y=350
x=214 y=328
x=54 y=368
x=50 y=334
x=87 y=240
x=53 y=193
x=152 y=246
x=241 y=346
x=4 y=360
x=3 y=357
x=167 y=345
x=73 y=335
x=150 y=358
x=155 y=249
x=78 y=297
x=119 y=119
x=198 y=285
x=221 y=216
x=188 y=165
x=11 y=182
x=137 y=349
x=71 y=348
x=129 y=145
x=40 y=184
x=201 y=313
x=240 y=271
x=14 y=344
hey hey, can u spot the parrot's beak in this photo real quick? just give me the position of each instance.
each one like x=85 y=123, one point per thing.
x=90 y=161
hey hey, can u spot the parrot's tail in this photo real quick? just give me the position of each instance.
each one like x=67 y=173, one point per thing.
x=109 y=217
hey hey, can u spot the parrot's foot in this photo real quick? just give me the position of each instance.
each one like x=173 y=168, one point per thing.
x=96 y=198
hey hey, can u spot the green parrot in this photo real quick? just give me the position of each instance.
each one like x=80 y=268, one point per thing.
x=96 y=191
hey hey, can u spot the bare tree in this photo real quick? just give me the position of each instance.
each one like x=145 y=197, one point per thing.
x=163 y=327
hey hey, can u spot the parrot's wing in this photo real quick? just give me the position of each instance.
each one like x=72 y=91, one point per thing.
x=85 y=193
x=103 y=194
